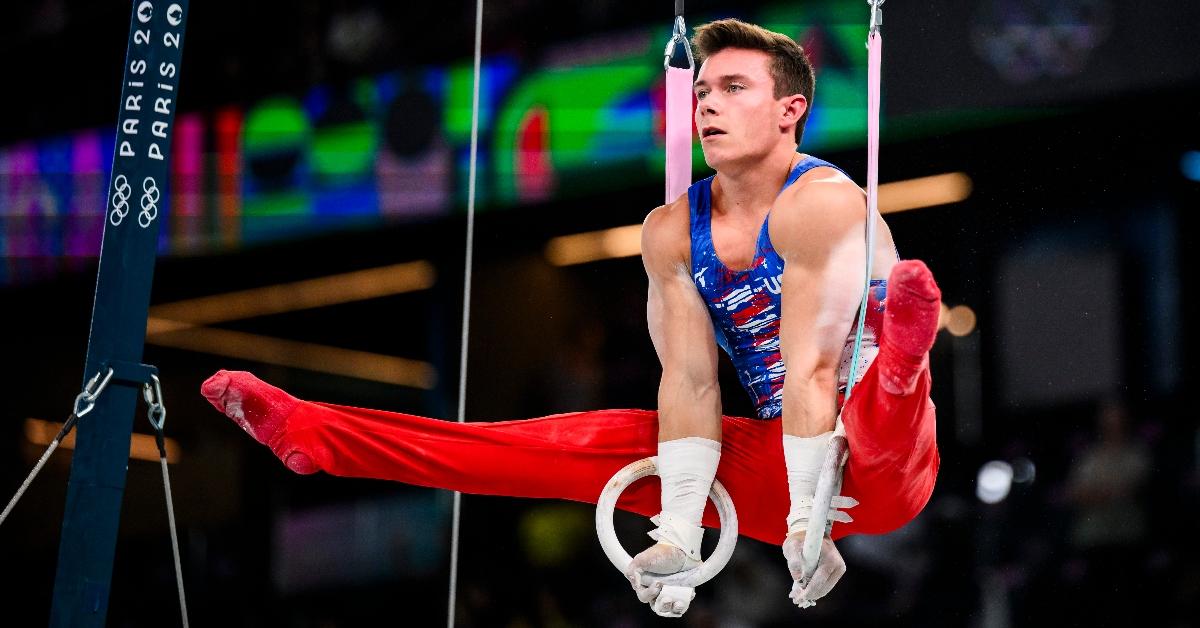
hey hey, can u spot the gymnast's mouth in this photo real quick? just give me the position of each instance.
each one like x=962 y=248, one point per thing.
x=710 y=131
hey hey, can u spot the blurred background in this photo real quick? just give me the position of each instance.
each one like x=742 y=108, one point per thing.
x=1042 y=156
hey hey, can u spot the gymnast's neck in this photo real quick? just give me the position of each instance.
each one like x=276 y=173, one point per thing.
x=751 y=185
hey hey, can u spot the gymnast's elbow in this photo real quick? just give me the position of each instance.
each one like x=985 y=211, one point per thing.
x=811 y=379
x=810 y=389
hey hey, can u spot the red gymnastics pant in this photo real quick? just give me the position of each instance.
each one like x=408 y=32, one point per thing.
x=891 y=469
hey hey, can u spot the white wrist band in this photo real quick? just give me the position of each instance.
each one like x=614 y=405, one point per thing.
x=803 y=458
x=686 y=467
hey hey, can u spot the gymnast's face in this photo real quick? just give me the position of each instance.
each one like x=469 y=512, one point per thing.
x=738 y=117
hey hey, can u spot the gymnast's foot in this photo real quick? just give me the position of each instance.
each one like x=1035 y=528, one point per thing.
x=260 y=409
x=909 y=326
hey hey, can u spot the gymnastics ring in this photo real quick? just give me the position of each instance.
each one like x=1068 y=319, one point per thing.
x=691 y=578
x=835 y=456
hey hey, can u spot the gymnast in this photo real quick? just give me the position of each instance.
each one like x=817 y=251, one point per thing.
x=763 y=259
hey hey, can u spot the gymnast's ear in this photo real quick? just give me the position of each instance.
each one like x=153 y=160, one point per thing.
x=795 y=107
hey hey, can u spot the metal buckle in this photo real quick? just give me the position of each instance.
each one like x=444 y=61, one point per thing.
x=156 y=411
x=86 y=400
x=876 y=15
x=678 y=36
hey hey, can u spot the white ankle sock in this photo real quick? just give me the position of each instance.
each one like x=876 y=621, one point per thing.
x=686 y=467
x=803 y=457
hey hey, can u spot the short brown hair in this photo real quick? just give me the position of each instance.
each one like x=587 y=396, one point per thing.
x=789 y=68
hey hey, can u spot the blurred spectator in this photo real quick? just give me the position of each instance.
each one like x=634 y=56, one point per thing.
x=1104 y=486
x=1109 y=528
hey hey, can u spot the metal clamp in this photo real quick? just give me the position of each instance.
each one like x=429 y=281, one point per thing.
x=156 y=410
x=876 y=15
x=86 y=400
x=678 y=37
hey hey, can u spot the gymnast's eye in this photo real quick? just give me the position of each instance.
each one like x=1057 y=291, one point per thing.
x=734 y=87
x=701 y=93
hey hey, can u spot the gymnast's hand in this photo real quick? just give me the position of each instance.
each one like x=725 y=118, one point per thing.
x=659 y=559
x=830 y=568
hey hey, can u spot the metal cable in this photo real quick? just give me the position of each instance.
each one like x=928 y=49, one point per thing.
x=68 y=425
x=466 y=313
x=174 y=540
x=28 y=480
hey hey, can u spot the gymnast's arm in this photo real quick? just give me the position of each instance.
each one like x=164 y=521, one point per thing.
x=689 y=400
x=818 y=230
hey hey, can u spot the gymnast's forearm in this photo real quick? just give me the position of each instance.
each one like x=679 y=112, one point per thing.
x=809 y=402
x=688 y=406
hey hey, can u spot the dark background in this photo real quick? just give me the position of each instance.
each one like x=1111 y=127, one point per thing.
x=1071 y=249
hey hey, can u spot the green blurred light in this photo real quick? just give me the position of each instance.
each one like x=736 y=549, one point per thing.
x=576 y=101
x=290 y=203
x=344 y=149
x=459 y=95
x=275 y=124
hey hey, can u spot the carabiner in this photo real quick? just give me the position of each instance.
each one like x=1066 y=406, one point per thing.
x=91 y=392
x=876 y=15
x=678 y=36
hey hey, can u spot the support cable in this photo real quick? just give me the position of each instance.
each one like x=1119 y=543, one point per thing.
x=472 y=177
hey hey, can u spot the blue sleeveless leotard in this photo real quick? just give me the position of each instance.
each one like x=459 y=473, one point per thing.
x=745 y=304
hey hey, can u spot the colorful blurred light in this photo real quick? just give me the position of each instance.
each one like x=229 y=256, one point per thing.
x=960 y=320
x=994 y=481
x=1190 y=165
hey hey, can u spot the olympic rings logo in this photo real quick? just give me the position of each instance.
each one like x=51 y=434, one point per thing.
x=150 y=196
x=120 y=200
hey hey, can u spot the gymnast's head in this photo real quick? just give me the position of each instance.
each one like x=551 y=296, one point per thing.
x=753 y=92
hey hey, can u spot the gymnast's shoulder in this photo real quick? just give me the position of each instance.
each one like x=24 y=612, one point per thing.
x=666 y=233
x=820 y=208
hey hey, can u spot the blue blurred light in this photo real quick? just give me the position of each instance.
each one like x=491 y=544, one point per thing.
x=1190 y=164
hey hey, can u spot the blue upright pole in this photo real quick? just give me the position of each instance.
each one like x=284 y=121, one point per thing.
x=137 y=199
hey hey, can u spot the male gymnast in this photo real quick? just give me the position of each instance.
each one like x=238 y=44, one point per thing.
x=764 y=259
